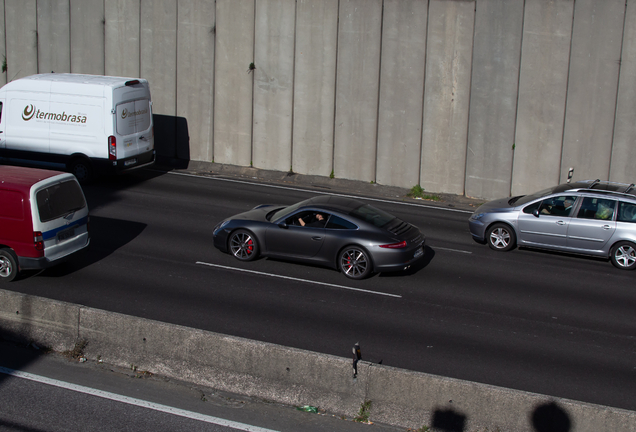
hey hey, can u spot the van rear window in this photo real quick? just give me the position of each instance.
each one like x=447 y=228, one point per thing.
x=133 y=117
x=59 y=200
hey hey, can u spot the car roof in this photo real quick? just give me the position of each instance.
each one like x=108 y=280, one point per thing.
x=601 y=187
x=332 y=202
x=22 y=178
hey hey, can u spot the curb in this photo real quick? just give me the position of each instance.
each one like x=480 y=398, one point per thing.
x=296 y=377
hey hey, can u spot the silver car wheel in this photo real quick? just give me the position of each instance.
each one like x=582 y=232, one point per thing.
x=501 y=237
x=354 y=263
x=624 y=256
x=243 y=246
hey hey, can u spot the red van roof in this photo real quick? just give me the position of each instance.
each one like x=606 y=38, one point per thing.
x=22 y=178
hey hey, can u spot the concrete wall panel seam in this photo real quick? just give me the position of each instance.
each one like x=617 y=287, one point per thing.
x=609 y=170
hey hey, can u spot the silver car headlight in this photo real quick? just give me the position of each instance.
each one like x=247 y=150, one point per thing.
x=477 y=216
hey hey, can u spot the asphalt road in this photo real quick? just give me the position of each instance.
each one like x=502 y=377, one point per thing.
x=542 y=322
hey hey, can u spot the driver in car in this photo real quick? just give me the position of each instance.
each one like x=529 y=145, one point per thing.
x=318 y=221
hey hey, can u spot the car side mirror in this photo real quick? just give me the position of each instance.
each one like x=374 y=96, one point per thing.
x=535 y=212
x=282 y=225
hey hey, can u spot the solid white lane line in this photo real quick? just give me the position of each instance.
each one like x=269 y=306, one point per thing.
x=132 y=401
x=321 y=192
x=298 y=280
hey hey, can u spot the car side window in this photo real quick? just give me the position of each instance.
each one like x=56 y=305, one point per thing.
x=532 y=207
x=557 y=206
x=597 y=208
x=626 y=212
x=336 y=222
x=311 y=219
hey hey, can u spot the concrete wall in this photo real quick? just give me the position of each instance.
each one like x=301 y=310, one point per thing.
x=3 y=50
x=291 y=376
x=54 y=36
x=597 y=37
x=87 y=36
x=493 y=97
x=624 y=147
x=314 y=86
x=195 y=74
x=357 y=87
x=20 y=23
x=273 y=84
x=543 y=84
x=479 y=97
x=121 y=38
x=401 y=89
x=447 y=95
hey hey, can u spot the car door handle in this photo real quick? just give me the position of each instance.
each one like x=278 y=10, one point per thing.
x=606 y=227
x=560 y=223
x=316 y=238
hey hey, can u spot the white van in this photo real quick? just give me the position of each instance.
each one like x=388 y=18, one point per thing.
x=84 y=124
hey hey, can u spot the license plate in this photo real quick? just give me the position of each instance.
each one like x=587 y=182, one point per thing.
x=130 y=162
x=67 y=234
x=419 y=252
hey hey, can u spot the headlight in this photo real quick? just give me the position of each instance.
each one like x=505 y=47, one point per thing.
x=476 y=216
x=221 y=225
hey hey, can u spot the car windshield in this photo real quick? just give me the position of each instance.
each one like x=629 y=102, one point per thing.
x=524 y=199
x=372 y=215
x=284 y=212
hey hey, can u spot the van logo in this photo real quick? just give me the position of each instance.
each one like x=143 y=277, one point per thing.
x=28 y=112
x=125 y=113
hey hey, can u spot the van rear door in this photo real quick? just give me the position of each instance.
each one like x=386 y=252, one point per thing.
x=133 y=124
x=61 y=216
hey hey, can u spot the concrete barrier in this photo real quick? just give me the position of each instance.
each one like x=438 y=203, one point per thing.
x=293 y=376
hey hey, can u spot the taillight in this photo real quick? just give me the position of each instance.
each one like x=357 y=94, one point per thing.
x=394 y=245
x=38 y=240
x=112 y=148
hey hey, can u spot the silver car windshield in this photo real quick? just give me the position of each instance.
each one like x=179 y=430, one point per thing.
x=524 y=199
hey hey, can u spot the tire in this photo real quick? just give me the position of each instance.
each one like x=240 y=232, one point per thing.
x=243 y=245
x=8 y=265
x=82 y=170
x=623 y=255
x=355 y=263
x=501 y=237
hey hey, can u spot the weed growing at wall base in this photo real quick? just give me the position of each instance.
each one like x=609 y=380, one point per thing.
x=417 y=192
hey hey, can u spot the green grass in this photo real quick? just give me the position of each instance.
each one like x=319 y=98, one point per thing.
x=417 y=192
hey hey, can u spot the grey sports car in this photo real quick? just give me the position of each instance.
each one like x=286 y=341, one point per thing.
x=337 y=232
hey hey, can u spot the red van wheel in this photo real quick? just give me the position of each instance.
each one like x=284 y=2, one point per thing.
x=8 y=265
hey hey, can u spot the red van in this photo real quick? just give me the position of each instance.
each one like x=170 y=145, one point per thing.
x=43 y=219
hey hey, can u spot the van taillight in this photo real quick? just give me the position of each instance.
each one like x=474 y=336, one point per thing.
x=38 y=240
x=112 y=148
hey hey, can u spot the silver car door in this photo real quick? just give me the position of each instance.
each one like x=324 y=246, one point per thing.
x=593 y=226
x=548 y=225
